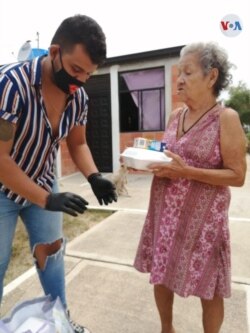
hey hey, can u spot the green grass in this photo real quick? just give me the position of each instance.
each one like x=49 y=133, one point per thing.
x=21 y=259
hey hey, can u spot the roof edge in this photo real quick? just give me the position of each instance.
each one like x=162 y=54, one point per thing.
x=154 y=54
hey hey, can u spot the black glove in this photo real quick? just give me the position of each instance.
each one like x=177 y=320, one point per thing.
x=67 y=202
x=103 y=188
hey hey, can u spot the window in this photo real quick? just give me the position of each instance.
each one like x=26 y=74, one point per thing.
x=142 y=100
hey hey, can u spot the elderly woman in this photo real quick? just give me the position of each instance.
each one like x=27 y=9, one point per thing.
x=185 y=243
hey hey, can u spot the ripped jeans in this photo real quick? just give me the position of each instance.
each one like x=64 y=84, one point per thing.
x=43 y=227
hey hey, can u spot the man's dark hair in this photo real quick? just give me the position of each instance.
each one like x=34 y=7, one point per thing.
x=81 y=29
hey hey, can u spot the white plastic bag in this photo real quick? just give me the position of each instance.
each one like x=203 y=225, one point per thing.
x=37 y=315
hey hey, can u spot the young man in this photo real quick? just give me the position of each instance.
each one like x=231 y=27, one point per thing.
x=43 y=101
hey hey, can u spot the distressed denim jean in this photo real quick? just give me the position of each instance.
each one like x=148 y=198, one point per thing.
x=43 y=227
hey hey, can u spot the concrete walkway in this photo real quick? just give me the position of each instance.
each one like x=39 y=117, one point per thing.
x=106 y=294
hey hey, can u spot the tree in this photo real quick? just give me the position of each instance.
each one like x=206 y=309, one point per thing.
x=239 y=100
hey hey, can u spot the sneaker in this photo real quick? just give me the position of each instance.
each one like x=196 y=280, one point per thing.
x=76 y=327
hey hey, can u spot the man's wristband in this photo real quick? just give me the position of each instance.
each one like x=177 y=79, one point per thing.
x=93 y=176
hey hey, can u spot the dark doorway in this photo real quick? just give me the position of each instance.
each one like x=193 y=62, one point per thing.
x=99 y=127
x=129 y=112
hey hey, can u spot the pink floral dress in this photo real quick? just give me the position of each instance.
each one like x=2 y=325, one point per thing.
x=185 y=241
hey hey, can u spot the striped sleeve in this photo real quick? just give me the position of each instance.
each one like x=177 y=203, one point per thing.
x=10 y=102
x=83 y=108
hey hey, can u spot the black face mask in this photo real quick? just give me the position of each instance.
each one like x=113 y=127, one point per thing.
x=64 y=81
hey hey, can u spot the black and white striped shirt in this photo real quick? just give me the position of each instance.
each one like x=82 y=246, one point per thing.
x=21 y=103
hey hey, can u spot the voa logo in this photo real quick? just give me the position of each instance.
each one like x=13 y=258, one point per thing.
x=231 y=25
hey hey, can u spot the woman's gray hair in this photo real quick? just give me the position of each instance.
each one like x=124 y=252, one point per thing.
x=211 y=55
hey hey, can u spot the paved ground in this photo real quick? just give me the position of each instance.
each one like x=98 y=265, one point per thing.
x=104 y=291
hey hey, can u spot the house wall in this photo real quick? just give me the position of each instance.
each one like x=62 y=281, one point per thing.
x=67 y=165
x=123 y=140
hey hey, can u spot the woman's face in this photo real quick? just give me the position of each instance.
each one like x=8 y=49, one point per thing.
x=192 y=84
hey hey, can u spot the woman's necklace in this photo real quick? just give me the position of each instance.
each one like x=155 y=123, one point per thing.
x=184 y=116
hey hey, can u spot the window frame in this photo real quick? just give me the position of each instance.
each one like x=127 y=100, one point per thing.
x=162 y=96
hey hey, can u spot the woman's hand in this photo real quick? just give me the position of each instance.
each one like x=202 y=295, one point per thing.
x=172 y=170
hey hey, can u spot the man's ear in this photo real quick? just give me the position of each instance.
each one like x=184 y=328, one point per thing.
x=53 y=50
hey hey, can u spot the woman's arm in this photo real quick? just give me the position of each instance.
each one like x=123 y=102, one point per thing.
x=233 y=152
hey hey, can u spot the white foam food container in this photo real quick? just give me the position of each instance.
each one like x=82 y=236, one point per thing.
x=138 y=158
